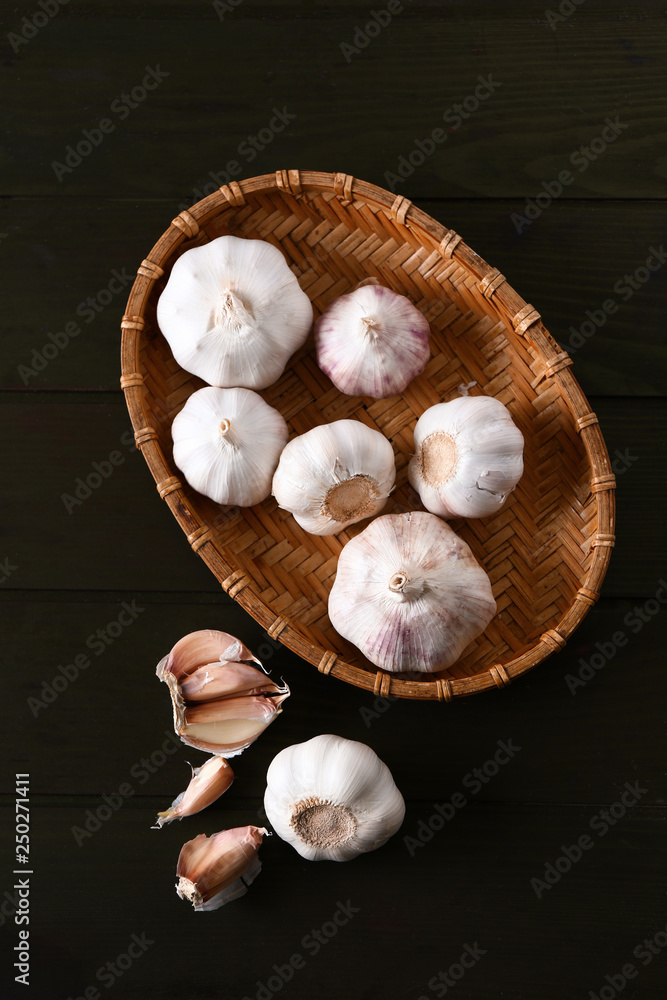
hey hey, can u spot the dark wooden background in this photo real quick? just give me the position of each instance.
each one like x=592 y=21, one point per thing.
x=68 y=568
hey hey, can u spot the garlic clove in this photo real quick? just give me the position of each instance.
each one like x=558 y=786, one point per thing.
x=227 y=443
x=217 y=680
x=372 y=342
x=335 y=475
x=233 y=312
x=228 y=714
x=215 y=870
x=207 y=784
x=202 y=648
x=468 y=457
x=410 y=594
x=332 y=799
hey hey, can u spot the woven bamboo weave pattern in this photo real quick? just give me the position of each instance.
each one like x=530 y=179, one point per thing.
x=548 y=548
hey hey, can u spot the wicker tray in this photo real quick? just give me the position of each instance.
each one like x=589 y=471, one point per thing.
x=548 y=549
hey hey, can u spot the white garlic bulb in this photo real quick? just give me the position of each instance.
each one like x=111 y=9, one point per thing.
x=410 y=594
x=334 y=475
x=233 y=312
x=468 y=457
x=372 y=342
x=227 y=443
x=332 y=799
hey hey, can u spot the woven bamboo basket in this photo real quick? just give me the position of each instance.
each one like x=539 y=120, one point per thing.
x=546 y=551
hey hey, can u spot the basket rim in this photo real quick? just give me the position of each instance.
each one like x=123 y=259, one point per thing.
x=524 y=321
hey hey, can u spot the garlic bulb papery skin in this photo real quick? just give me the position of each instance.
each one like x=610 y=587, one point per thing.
x=207 y=784
x=227 y=443
x=332 y=799
x=334 y=475
x=221 y=702
x=214 y=870
x=410 y=594
x=468 y=457
x=233 y=312
x=372 y=342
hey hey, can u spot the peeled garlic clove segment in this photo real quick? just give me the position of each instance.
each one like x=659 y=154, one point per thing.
x=334 y=475
x=233 y=312
x=410 y=594
x=232 y=703
x=215 y=870
x=227 y=443
x=468 y=457
x=372 y=342
x=207 y=784
x=332 y=799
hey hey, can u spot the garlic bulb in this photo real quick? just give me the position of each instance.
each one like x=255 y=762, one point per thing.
x=227 y=443
x=215 y=870
x=468 y=457
x=221 y=702
x=332 y=799
x=372 y=342
x=334 y=475
x=409 y=593
x=207 y=784
x=233 y=312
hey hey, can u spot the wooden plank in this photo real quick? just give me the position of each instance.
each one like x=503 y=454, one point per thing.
x=388 y=923
x=82 y=510
x=90 y=713
x=575 y=259
x=395 y=91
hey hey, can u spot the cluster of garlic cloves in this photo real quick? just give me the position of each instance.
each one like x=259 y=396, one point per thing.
x=372 y=342
x=410 y=594
x=207 y=784
x=334 y=475
x=221 y=701
x=214 y=870
x=468 y=457
x=332 y=799
x=227 y=443
x=233 y=312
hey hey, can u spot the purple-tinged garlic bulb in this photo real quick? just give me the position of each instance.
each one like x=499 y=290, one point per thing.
x=372 y=342
x=215 y=870
x=468 y=457
x=410 y=594
x=221 y=702
x=334 y=475
x=207 y=784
